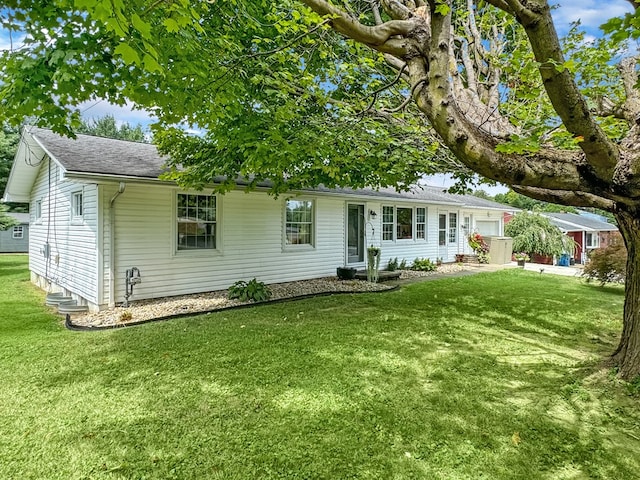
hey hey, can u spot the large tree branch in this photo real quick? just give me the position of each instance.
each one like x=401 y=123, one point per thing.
x=386 y=38
x=627 y=69
x=565 y=197
x=567 y=101
x=552 y=169
x=473 y=136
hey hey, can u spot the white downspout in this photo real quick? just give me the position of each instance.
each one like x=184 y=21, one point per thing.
x=112 y=246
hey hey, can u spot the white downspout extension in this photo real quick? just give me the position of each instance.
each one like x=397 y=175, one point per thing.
x=112 y=246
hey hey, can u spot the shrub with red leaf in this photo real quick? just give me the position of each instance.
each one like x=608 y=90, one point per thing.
x=607 y=265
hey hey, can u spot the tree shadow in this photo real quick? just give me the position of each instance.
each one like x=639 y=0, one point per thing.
x=426 y=382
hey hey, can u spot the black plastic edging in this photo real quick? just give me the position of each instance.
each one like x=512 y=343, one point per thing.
x=89 y=328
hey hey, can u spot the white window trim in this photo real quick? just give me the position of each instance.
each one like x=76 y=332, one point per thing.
x=287 y=247
x=594 y=235
x=456 y=231
x=383 y=223
x=15 y=230
x=426 y=224
x=37 y=211
x=414 y=224
x=77 y=219
x=195 y=252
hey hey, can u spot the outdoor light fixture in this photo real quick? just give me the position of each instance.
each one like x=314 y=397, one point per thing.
x=372 y=214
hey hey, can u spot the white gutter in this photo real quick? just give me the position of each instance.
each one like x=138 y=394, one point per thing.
x=112 y=246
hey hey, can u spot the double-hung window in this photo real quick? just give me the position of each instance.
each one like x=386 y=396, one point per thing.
x=453 y=227
x=421 y=223
x=404 y=223
x=388 y=222
x=404 y=226
x=299 y=222
x=196 y=222
x=592 y=240
x=18 y=232
x=38 y=210
x=77 y=207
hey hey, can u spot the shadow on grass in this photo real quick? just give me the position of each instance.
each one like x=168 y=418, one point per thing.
x=438 y=380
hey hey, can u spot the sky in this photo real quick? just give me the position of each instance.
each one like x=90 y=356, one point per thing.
x=591 y=13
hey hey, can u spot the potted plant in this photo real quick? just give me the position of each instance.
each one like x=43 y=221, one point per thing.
x=521 y=258
x=479 y=246
x=346 y=273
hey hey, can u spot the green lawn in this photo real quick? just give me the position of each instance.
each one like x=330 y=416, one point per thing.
x=494 y=376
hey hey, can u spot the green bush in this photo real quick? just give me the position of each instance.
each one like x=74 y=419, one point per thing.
x=483 y=257
x=403 y=265
x=252 y=290
x=607 y=265
x=423 y=265
x=533 y=233
x=392 y=266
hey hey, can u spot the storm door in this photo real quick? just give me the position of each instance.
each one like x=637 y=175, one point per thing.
x=355 y=233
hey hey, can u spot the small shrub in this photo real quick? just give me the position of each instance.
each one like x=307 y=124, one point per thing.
x=253 y=290
x=125 y=316
x=392 y=266
x=403 y=265
x=607 y=265
x=483 y=257
x=423 y=265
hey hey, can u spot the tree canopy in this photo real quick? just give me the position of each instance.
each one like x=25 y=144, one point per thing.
x=107 y=126
x=534 y=234
x=354 y=93
x=6 y=221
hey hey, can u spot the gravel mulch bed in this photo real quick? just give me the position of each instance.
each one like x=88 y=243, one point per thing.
x=142 y=310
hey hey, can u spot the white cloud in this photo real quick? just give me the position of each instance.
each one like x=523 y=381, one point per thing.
x=125 y=113
x=591 y=13
x=11 y=41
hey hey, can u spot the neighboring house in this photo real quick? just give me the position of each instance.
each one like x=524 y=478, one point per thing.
x=98 y=209
x=16 y=239
x=588 y=232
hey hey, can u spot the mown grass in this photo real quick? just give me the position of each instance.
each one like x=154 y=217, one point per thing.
x=494 y=376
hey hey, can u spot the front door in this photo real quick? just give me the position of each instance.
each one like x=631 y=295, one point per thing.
x=447 y=235
x=466 y=229
x=442 y=236
x=355 y=233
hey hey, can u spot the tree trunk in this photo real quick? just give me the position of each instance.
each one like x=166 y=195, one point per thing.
x=627 y=355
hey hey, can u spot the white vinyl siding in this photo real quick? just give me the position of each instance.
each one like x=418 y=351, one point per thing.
x=250 y=228
x=72 y=261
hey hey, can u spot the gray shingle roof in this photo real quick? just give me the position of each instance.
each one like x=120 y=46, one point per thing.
x=575 y=222
x=90 y=154
x=106 y=156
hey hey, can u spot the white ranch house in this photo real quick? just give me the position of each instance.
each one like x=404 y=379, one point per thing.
x=98 y=209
